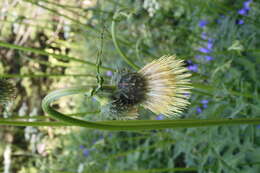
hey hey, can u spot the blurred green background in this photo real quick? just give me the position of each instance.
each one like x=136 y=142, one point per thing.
x=51 y=44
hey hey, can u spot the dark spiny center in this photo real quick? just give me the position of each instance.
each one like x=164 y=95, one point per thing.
x=133 y=87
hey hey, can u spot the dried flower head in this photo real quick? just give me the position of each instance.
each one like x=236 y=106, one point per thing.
x=162 y=86
x=7 y=91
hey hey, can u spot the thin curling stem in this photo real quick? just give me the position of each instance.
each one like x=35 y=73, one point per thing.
x=125 y=58
x=132 y=125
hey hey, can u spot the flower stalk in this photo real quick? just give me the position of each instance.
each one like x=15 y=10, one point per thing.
x=132 y=125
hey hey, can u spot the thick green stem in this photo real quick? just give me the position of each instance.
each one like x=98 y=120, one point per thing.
x=131 y=124
x=125 y=58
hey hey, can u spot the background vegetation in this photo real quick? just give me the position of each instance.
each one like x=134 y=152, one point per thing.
x=49 y=44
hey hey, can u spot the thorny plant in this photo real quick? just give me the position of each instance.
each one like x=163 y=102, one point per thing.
x=163 y=86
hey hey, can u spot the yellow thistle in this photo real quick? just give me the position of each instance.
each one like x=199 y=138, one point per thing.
x=162 y=86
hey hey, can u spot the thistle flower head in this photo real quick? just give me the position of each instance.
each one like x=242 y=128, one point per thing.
x=7 y=91
x=128 y=95
x=162 y=86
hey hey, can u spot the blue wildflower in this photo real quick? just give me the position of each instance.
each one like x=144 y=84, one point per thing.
x=159 y=117
x=203 y=23
x=205 y=103
x=81 y=147
x=86 y=152
x=258 y=126
x=240 y=22
x=204 y=50
x=246 y=7
x=208 y=58
x=243 y=11
x=210 y=44
x=193 y=67
x=246 y=4
x=199 y=110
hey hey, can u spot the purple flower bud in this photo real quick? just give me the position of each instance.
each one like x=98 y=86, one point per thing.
x=81 y=147
x=258 y=126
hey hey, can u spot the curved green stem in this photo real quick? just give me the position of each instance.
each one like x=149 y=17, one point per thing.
x=125 y=58
x=131 y=124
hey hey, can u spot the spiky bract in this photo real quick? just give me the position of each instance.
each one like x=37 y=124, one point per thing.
x=130 y=92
